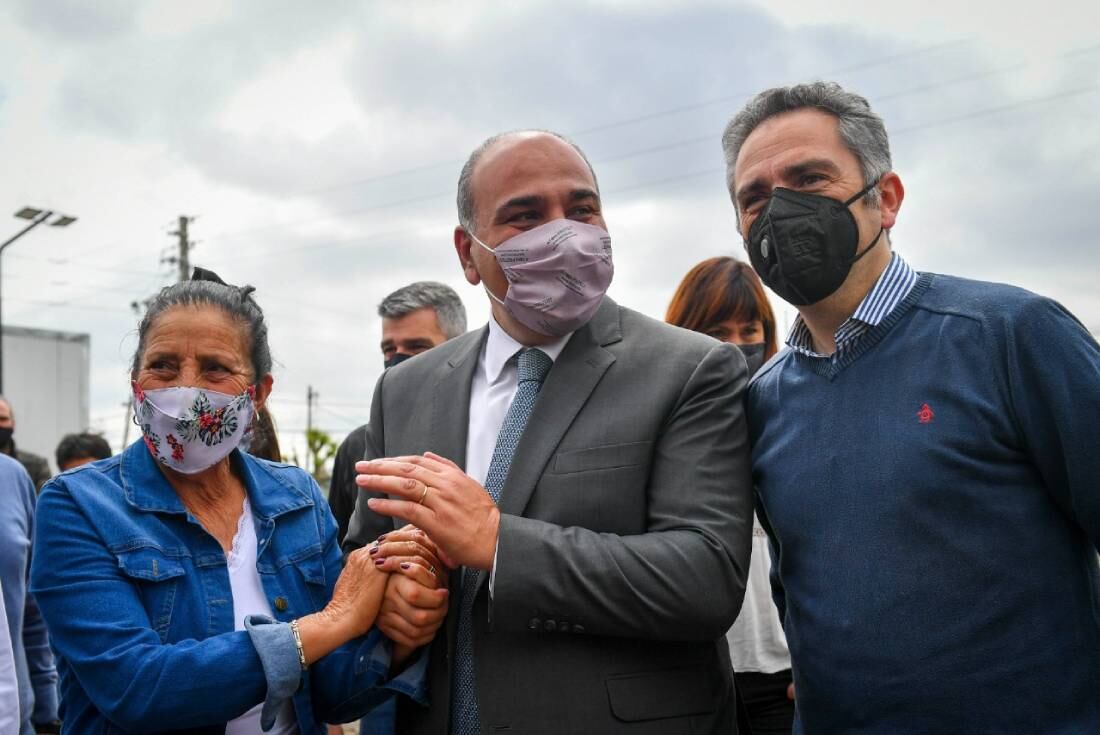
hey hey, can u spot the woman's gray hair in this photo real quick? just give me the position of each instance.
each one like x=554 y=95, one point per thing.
x=206 y=289
x=449 y=311
x=467 y=211
x=862 y=131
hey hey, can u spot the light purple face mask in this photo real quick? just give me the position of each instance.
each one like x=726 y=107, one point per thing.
x=557 y=275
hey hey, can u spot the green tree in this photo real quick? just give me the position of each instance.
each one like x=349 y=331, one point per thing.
x=320 y=451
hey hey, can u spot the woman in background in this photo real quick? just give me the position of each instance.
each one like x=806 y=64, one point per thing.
x=263 y=440
x=723 y=297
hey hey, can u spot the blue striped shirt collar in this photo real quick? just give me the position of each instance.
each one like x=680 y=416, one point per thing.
x=889 y=290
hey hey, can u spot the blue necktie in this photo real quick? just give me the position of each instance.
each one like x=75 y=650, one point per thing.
x=533 y=366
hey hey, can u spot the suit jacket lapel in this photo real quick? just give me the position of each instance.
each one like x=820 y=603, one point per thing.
x=451 y=401
x=574 y=376
x=450 y=427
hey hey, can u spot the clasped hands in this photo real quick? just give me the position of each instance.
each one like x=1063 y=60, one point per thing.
x=453 y=519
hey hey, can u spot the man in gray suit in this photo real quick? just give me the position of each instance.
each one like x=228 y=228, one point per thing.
x=584 y=466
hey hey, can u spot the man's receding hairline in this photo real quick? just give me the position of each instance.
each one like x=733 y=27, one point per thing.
x=526 y=135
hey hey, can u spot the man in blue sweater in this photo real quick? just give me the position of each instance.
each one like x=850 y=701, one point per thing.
x=924 y=453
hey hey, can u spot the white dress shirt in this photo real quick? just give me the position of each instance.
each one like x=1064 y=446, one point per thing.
x=495 y=382
x=491 y=392
x=756 y=640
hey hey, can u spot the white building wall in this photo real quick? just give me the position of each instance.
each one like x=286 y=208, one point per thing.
x=46 y=376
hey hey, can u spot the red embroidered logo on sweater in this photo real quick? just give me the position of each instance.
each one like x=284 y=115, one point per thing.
x=925 y=414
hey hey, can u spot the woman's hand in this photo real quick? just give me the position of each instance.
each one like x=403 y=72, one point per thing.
x=406 y=548
x=411 y=615
x=358 y=593
x=350 y=613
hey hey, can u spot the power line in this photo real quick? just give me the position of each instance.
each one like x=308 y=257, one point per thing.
x=67 y=305
x=695 y=140
x=345 y=404
x=867 y=64
x=872 y=63
x=644 y=151
x=618 y=157
x=83 y=267
x=353 y=422
x=995 y=110
x=679 y=178
x=77 y=300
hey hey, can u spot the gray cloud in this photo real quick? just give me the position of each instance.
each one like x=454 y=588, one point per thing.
x=337 y=217
x=75 y=21
x=978 y=214
x=161 y=88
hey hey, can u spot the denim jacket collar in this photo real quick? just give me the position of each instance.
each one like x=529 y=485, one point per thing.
x=147 y=489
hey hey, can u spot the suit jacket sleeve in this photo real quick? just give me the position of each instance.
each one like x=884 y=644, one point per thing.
x=343 y=491
x=683 y=579
x=366 y=525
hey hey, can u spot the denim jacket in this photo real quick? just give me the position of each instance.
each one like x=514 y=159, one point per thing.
x=137 y=599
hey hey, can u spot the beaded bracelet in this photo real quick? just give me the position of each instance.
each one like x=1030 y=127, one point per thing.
x=298 y=643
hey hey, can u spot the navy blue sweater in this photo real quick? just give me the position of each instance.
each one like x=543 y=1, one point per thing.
x=933 y=498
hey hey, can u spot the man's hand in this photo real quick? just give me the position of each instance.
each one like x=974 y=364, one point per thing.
x=411 y=614
x=439 y=498
x=414 y=604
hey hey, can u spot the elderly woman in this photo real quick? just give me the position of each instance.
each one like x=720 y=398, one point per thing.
x=189 y=585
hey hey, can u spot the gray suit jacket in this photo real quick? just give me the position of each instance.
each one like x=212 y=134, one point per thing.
x=624 y=535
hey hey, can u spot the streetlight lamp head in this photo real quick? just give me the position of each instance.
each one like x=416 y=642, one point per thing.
x=62 y=220
x=28 y=213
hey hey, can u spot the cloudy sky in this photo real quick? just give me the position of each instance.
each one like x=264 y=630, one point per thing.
x=317 y=146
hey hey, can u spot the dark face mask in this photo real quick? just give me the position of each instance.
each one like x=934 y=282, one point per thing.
x=397 y=359
x=754 y=356
x=804 y=245
x=5 y=436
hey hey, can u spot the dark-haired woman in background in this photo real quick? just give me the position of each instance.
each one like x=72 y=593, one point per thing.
x=723 y=297
x=263 y=440
x=188 y=585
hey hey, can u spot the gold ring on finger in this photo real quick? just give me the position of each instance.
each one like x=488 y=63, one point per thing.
x=422 y=496
x=431 y=569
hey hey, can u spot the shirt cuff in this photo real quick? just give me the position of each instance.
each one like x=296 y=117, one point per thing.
x=493 y=571
x=274 y=642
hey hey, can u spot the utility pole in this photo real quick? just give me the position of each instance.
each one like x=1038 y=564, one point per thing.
x=183 y=259
x=137 y=307
x=311 y=396
x=126 y=421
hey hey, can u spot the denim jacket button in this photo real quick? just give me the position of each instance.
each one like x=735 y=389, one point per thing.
x=280 y=604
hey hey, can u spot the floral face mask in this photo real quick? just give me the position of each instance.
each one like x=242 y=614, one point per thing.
x=192 y=429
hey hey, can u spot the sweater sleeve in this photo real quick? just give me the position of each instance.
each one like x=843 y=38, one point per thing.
x=36 y=641
x=779 y=596
x=1053 y=376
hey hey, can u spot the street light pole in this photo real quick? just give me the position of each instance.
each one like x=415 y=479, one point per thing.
x=37 y=217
